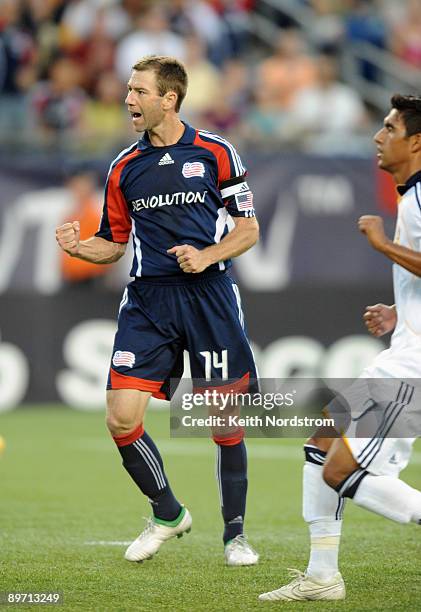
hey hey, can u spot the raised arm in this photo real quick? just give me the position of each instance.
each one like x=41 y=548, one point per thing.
x=95 y=249
x=372 y=226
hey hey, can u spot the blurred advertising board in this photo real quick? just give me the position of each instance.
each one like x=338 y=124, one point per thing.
x=307 y=208
x=58 y=348
x=304 y=285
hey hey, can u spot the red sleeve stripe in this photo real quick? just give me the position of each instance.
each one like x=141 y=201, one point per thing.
x=120 y=156
x=221 y=155
x=239 y=169
x=118 y=212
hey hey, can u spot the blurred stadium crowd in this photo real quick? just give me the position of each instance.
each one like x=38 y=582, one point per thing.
x=64 y=65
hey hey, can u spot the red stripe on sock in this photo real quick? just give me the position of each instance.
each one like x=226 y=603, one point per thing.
x=129 y=438
x=235 y=438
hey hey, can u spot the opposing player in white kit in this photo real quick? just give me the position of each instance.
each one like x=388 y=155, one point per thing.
x=366 y=469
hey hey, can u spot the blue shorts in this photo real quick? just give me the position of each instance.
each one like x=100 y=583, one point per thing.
x=161 y=318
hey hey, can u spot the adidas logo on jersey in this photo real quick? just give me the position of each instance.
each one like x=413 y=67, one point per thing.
x=166 y=160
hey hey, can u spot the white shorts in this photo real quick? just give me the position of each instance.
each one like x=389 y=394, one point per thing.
x=389 y=458
x=379 y=418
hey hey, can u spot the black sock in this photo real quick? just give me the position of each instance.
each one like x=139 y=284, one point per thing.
x=143 y=462
x=231 y=473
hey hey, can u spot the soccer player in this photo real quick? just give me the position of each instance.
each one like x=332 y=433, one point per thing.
x=172 y=191
x=363 y=469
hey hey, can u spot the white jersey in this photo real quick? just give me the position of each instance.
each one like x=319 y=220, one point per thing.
x=403 y=358
x=398 y=408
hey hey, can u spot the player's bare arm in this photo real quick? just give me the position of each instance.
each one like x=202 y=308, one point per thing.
x=372 y=226
x=244 y=235
x=380 y=319
x=95 y=249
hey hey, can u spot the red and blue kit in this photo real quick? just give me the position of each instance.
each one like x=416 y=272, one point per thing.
x=165 y=196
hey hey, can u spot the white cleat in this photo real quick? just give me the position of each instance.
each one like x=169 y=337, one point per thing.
x=154 y=535
x=304 y=587
x=239 y=552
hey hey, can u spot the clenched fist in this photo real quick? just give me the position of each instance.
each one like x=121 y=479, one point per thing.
x=380 y=319
x=190 y=259
x=372 y=226
x=68 y=237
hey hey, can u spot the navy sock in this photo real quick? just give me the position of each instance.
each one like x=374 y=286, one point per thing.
x=231 y=473
x=143 y=462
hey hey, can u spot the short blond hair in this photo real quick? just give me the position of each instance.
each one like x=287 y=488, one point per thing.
x=170 y=75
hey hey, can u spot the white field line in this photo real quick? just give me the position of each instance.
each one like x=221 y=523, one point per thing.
x=173 y=447
x=107 y=543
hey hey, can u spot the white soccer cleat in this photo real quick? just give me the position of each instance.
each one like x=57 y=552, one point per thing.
x=239 y=552
x=304 y=587
x=154 y=535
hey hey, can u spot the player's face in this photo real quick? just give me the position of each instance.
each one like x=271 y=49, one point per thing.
x=393 y=145
x=143 y=100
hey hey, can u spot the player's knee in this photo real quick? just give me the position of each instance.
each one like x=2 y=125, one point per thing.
x=333 y=475
x=313 y=441
x=120 y=424
x=125 y=411
x=114 y=425
x=321 y=440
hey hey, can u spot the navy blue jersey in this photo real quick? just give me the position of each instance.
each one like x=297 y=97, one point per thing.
x=172 y=195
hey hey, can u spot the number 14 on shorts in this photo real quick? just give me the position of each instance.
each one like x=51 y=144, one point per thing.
x=212 y=359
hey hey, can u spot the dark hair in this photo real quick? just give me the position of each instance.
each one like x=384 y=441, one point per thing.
x=409 y=108
x=170 y=75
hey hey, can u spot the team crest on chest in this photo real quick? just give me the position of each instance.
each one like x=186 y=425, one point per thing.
x=191 y=169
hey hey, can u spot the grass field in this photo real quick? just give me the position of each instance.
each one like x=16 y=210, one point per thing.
x=63 y=492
